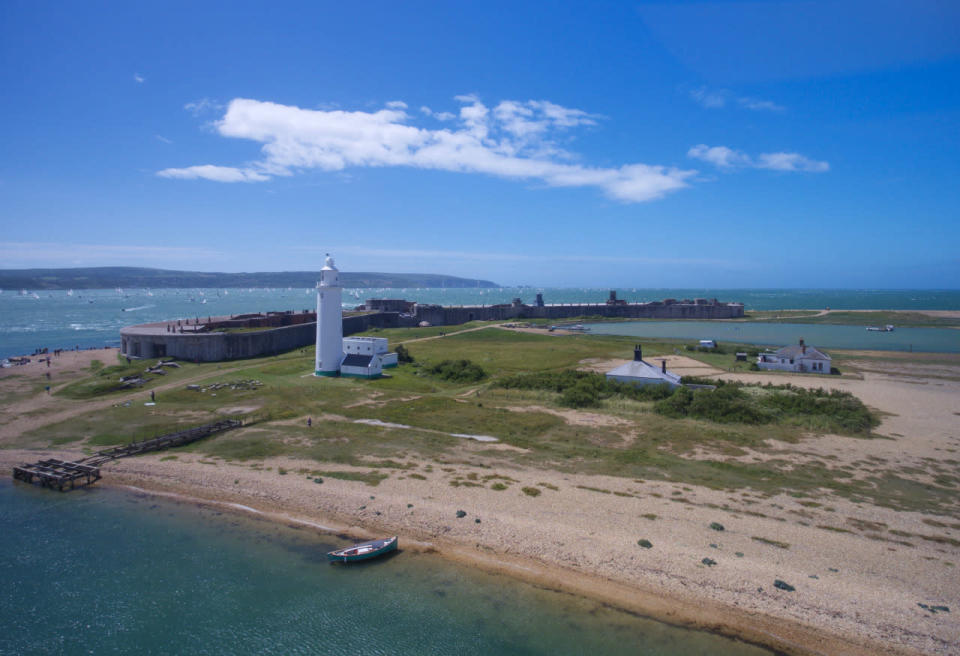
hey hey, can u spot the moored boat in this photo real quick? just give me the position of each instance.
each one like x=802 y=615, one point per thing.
x=364 y=550
x=881 y=329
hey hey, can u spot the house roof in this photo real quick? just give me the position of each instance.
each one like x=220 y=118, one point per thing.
x=641 y=369
x=796 y=352
x=356 y=360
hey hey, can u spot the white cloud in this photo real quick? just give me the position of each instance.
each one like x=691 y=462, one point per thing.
x=39 y=254
x=397 y=104
x=512 y=141
x=162 y=138
x=760 y=105
x=727 y=158
x=139 y=79
x=202 y=106
x=215 y=173
x=718 y=98
x=790 y=162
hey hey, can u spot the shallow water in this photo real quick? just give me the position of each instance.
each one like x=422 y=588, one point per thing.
x=935 y=340
x=104 y=570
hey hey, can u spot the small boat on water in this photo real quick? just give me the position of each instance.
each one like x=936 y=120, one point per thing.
x=364 y=550
x=881 y=329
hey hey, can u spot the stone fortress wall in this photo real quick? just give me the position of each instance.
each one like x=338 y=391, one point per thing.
x=256 y=335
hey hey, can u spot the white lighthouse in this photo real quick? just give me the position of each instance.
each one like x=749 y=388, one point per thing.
x=329 y=321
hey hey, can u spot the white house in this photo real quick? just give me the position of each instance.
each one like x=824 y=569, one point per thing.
x=799 y=357
x=370 y=346
x=355 y=365
x=638 y=372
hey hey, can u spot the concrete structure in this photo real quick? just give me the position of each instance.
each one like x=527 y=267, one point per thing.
x=355 y=365
x=329 y=321
x=799 y=358
x=370 y=346
x=637 y=372
x=414 y=314
x=211 y=340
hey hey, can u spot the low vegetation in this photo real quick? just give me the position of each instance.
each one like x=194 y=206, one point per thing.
x=492 y=382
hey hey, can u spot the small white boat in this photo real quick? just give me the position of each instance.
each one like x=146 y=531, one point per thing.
x=881 y=329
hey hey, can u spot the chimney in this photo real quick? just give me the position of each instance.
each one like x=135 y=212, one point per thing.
x=803 y=347
x=637 y=354
x=663 y=366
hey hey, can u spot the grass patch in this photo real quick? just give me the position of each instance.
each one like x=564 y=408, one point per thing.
x=531 y=491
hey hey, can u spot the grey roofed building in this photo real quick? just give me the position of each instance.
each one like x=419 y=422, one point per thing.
x=638 y=372
x=797 y=357
x=356 y=360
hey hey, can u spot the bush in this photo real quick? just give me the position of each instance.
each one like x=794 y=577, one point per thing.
x=726 y=405
x=457 y=371
x=581 y=395
x=676 y=405
x=403 y=355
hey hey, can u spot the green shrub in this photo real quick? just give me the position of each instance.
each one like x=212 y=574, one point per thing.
x=403 y=355
x=457 y=371
x=676 y=405
x=581 y=395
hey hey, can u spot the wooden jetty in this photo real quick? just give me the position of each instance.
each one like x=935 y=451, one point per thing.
x=65 y=475
x=59 y=474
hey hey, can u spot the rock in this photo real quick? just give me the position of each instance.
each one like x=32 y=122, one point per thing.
x=461 y=514
x=709 y=562
x=783 y=585
x=646 y=544
x=318 y=480
x=409 y=505
x=814 y=576
x=716 y=526
x=738 y=554
x=833 y=569
x=713 y=545
x=477 y=520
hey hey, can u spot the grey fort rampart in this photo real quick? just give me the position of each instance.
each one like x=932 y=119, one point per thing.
x=256 y=335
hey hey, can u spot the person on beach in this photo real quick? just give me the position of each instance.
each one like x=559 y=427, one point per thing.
x=153 y=396
x=309 y=422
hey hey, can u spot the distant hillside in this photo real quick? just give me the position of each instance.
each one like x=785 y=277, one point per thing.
x=109 y=277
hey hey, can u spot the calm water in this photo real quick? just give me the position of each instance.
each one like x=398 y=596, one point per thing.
x=939 y=340
x=107 y=571
x=93 y=318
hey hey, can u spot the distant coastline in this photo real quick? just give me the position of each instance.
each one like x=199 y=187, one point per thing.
x=110 y=277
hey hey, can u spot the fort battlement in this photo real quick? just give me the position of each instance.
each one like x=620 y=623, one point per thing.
x=259 y=334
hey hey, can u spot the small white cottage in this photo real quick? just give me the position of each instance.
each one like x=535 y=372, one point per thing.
x=799 y=357
x=638 y=372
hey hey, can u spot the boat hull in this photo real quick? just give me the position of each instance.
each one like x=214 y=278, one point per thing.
x=364 y=551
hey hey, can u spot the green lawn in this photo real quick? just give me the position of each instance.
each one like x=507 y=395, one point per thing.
x=633 y=443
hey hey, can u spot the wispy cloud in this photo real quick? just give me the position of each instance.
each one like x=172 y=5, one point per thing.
x=38 y=254
x=215 y=173
x=139 y=79
x=514 y=140
x=162 y=138
x=728 y=158
x=420 y=254
x=203 y=106
x=718 y=98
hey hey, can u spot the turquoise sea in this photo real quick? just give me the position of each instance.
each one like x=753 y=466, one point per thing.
x=93 y=318
x=110 y=571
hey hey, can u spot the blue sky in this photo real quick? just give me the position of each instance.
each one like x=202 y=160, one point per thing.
x=664 y=144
